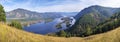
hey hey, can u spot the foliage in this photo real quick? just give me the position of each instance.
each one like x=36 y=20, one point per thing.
x=2 y=14
x=58 y=26
x=89 y=31
x=62 y=33
x=87 y=25
x=16 y=24
x=109 y=25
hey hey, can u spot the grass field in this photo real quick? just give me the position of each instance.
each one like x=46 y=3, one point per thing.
x=11 y=34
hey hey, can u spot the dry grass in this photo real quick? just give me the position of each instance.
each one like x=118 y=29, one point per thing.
x=10 y=34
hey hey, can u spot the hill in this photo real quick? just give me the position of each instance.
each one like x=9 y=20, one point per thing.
x=24 y=15
x=93 y=15
x=96 y=9
x=111 y=36
x=89 y=18
x=10 y=34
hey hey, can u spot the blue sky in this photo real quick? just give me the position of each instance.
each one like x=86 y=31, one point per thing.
x=56 y=5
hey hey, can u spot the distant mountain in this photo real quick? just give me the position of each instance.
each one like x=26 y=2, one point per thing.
x=69 y=14
x=31 y=15
x=90 y=17
x=24 y=15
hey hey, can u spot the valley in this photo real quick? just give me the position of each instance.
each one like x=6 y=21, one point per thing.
x=59 y=21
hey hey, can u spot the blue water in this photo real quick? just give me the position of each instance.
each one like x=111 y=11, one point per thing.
x=44 y=28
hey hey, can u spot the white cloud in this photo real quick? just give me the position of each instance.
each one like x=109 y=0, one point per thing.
x=15 y=5
x=79 y=5
x=66 y=6
x=110 y=3
x=61 y=8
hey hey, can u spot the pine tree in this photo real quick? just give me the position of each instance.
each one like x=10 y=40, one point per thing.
x=62 y=33
x=89 y=31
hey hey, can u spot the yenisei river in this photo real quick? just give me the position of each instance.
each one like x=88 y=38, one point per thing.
x=44 y=28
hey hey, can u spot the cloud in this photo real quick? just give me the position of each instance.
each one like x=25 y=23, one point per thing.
x=61 y=8
x=12 y=4
x=110 y=3
x=56 y=5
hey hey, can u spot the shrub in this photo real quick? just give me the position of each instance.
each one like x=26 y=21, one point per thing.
x=16 y=24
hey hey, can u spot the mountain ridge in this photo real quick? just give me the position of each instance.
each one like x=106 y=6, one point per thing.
x=95 y=7
x=26 y=15
x=89 y=18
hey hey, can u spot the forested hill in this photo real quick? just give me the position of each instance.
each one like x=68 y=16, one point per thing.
x=94 y=20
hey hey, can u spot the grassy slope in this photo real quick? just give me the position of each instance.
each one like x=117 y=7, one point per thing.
x=10 y=34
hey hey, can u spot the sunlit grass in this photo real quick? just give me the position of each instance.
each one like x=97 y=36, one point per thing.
x=11 y=34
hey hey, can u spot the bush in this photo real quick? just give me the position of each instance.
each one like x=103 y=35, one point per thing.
x=16 y=24
x=62 y=33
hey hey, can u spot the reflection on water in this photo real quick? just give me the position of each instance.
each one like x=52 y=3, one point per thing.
x=44 y=28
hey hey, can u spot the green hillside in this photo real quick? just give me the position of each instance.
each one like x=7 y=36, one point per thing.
x=107 y=25
x=94 y=20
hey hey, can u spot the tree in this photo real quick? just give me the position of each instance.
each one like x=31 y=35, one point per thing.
x=2 y=14
x=58 y=26
x=16 y=24
x=62 y=33
x=88 y=31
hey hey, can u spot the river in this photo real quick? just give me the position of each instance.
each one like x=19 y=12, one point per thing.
x=45 y=28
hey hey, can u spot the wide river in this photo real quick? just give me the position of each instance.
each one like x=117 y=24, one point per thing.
x=44 y=28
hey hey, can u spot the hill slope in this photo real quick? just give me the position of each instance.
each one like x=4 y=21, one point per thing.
x=10 y=34
x=89 y=18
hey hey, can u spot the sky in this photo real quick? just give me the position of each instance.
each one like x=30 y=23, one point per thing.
x=56 y=5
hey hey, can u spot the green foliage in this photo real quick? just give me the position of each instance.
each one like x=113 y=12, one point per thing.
x=58 y=26
x=108 y=24
x=52 y=34
x=84 y=25
x=89 y=31
x=2 y=14
x=88 y=25
x=62 y=33
x=16 y=24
